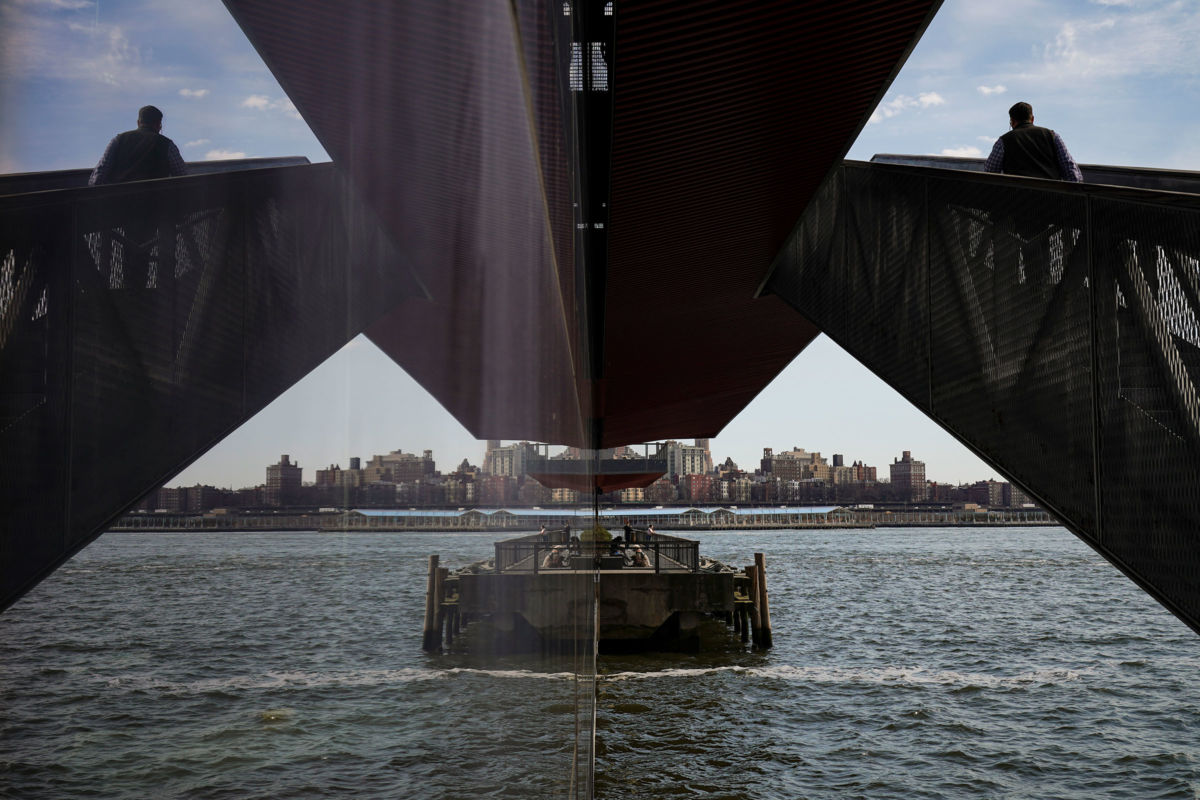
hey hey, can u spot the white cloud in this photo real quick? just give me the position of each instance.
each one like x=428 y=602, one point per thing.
x=1132 y=39
x=988 y=139
x=197 y=142
x=66 y=5
x=903 y=101
x=969 y=151
x=289 y=108
x=62 y=40
x=259 y=102
x=101 y=67
x=223 y=155
x=987 y=15
x=1035 y=47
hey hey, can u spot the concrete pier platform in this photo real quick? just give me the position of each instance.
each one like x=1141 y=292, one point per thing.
x=628 y=605
x=551 y=590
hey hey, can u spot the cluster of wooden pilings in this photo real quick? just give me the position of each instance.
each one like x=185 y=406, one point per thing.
x=442 y=618
x=751 y=610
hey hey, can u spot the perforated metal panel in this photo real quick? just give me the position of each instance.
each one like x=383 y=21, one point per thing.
x=1009 y=333
x=1145 y=258
x=141 y=323
x=973 y=296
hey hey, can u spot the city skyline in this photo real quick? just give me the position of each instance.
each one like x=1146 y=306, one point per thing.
x=444 y=469
x=358 y=461
x=75 y=72
x=776 y=418
x=511 y=476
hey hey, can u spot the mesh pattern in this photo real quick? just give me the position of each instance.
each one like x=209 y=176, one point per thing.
x=140 y=323
x=35 y=270
x=1009 y=334
x=1146 y=259
x=972 y=296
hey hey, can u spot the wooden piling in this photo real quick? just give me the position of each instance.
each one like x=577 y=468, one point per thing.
x=443 y=621
x=755 y=617
x=764 y=605
x=744 y=611
x=430 y=635
x=737 y=618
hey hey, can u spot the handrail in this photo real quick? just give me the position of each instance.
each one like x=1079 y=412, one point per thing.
x=1168 y=180
x=55 y=180
x=510 y=553
x=150 y=319
x=527 y=553
x=685 y=552
x=1052 y=327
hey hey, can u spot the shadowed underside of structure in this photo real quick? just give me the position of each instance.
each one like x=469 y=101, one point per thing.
x=1053 y=328
x=591 y=191
x=553 y=215
x=556 y=218
x=141 y=323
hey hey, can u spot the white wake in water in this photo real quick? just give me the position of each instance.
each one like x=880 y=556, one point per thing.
x=278 y=680
x=911 y=676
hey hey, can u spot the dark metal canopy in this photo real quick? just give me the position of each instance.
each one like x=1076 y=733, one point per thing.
x=591 y=192
x=554 y=215
x=557 y=217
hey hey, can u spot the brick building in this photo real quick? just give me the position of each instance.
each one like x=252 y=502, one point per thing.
x=283 y=482
x=908 y=478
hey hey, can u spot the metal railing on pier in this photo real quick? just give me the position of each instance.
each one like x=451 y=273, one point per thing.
x=557 y=550
x=526 y=552
x=684 y=552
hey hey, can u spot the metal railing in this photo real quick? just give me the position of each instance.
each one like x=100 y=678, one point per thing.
x=535 y=553
x=1053 y=328
x=669 y=552
x=25 y=182
x=526 y=552
x=1167 y=180
x=142 y=322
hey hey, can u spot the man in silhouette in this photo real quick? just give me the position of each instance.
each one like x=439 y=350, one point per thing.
x=139 y=154
x=1031 y=150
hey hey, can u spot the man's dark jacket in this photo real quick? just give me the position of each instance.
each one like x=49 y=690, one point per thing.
x=1029 y=151
x=140 y=155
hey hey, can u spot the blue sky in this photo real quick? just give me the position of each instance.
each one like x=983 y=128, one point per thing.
x=1119 y=79
x=76 y=71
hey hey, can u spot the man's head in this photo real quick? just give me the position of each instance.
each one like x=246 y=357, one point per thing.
x=150 y=118
x=1020 y=113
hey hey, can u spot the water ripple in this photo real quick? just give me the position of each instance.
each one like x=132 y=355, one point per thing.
x=940 y=664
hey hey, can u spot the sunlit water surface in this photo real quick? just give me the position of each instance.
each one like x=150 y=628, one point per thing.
x=930 y=663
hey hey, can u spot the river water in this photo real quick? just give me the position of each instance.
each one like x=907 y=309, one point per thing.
x=916 y=663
